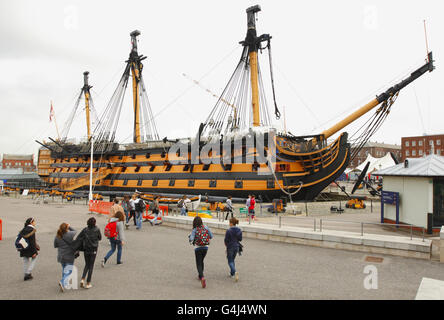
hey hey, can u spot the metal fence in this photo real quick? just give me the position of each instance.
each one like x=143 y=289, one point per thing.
x=322 y=222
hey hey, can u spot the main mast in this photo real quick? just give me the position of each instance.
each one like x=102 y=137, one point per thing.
x=87 y=94
x=252 y=41
x=136 y=71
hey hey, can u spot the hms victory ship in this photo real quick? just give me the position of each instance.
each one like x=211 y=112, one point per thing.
x=236 y=150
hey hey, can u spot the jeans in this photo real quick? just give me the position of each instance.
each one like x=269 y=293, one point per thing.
x=200 y=254
x=66 y=272
x=89 y=265
x=139 y=216
x=183 y=211
x=231 y=255
x=127 y=216
x=28 y=264
x=156 y=216
x=114 y=244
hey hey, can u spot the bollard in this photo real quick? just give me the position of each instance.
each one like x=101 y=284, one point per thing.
x=280 y=222
x=371 y=205
x=320 y=225
x=362 y=229
x=314 y=224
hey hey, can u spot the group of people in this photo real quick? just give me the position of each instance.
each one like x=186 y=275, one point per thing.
x=69 y=245
x=200 y=237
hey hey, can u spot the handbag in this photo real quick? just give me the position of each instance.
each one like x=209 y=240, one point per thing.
x=241 y=248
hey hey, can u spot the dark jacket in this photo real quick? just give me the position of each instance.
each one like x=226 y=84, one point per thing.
x=232 y=238
x=90 y=237
x=65 y=251
x=28 y=233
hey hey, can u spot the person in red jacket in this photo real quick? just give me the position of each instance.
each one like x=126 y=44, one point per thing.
x=251 y=208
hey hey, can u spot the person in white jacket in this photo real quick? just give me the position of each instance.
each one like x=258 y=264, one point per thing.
x=119 y=240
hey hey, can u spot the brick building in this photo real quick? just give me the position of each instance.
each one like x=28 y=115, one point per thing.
x=417 y=147
x=18 y=161
x=376 y=150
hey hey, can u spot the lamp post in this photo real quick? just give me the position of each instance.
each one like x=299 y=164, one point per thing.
x=91 y=168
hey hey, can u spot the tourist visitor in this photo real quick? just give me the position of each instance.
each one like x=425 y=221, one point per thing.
x=115 y=233
x=228 y=208
x=26 y=244
x=155 y=211
x=140 y=207
x=90 y=237
x=251 y=208
x=233 y=236
x=200 y=237
x=63 y=241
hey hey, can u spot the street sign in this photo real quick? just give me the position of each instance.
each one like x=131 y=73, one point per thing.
x=392 y=198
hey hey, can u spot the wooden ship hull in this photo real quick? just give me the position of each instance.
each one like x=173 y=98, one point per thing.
x=148 y=170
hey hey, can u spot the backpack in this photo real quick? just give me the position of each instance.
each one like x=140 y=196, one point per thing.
x=110 y=230
x=180 y=203
x=202 y=237
x=140 y=205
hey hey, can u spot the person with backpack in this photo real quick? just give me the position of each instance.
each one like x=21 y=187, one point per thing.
x=26 y=244
x=114 y=231
x=90 y=237
x=140 y=207
x=200 y=237
x=63 y=241
x=233 y=236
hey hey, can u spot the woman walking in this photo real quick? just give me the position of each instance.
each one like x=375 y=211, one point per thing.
x=90 y=237
x=117 y=240
x=232 y=238
x=28 y=248
x=228 y=208
x=65 y=256
x=200 y=237
x=155 y=211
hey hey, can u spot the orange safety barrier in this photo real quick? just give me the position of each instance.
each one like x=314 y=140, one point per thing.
x=163 y=210
x=1 y=229
x=145 y=214
x=98 y=206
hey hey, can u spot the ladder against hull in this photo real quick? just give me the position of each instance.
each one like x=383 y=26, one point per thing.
x=84 y=180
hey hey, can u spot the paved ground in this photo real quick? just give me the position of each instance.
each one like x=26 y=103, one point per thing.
x=159 y=264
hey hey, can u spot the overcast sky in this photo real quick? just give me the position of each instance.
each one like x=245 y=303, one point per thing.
x=329 y=58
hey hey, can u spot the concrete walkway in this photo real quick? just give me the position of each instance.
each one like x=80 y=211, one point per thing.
x=159 y=265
